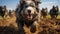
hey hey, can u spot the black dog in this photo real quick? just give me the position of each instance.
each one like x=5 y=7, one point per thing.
x=2 y=11
x=54 y=12
x=27 y=14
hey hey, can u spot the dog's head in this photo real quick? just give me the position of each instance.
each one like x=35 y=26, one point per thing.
x=29 y=10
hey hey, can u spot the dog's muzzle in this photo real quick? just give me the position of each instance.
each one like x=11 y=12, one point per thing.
x=29 y=16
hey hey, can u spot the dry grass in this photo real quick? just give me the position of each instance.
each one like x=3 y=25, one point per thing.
x=57 y=17
x=11 y=22
x=8 y=21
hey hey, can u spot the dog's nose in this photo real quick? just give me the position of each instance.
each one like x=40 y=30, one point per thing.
x=29 y=11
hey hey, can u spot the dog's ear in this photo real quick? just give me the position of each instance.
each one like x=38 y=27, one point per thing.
x=37 y=9
x=38 y=1
x=22 y=3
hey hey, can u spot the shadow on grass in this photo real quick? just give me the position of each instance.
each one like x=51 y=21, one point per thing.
x=8 y=30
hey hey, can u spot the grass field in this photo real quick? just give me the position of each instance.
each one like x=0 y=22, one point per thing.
x=50 y=16
x=11 y=22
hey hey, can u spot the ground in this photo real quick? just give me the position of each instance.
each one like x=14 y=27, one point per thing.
x=10 y=22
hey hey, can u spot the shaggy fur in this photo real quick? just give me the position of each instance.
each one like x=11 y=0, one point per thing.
x=54 y=12
x=28 y=15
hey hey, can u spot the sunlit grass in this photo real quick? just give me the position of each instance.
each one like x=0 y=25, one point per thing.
x=58 y=17
x=4 y=18
x=48 y=16
x=1 y=17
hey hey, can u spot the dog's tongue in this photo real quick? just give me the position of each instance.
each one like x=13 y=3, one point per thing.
x=30 y=16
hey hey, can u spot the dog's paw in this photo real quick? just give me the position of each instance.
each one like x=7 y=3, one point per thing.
x=33 y=29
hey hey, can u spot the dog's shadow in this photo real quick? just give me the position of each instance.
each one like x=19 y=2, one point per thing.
x=8 y=30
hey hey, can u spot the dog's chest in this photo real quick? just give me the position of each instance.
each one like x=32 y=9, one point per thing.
x=27 y=29
x=28 y=23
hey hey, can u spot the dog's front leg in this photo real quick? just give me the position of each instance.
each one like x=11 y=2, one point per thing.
x=33 y=27
x=20 y=27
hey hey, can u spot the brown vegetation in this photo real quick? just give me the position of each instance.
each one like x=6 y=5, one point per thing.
x=10 y=25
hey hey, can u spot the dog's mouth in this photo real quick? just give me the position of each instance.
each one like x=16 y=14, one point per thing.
x=30 y=16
